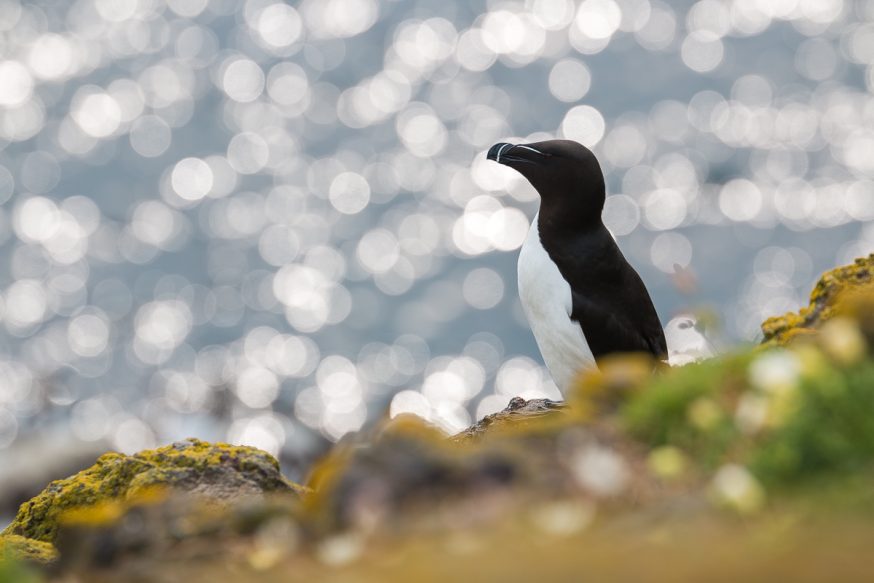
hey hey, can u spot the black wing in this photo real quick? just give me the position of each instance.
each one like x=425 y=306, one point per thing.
x=609 y=300
x=611 y=328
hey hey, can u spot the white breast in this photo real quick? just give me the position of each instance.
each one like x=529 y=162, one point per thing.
x=546 y=298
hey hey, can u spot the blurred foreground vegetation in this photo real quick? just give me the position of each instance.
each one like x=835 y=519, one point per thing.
x=757 y=463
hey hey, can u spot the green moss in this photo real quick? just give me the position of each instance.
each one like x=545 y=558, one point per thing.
x=186 y=465
x=691 y=408
x=812 y=414
x=825 y=301
x=791 y=416
x=831 y=429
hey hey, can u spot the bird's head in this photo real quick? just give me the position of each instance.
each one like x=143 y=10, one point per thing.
x=565 y=173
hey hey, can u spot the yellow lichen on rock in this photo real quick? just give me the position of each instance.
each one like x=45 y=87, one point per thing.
x=215 y=470
x=835 y=293
x=25 y=549
x=109 y=511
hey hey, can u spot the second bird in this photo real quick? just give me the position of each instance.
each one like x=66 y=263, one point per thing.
x=582 y=299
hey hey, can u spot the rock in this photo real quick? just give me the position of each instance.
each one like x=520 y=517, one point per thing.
x=218 y=472
x=158 y=523
x=518 y=410
x=834 y=293
x=411 y=474
x=26 y=549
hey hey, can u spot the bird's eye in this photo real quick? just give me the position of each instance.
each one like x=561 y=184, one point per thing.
x=685 y=324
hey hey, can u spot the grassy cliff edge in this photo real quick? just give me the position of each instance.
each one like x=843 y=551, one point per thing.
x=780 y=437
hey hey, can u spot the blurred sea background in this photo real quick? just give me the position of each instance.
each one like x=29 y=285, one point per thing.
x=268 y=223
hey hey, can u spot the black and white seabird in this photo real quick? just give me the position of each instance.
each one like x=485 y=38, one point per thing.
x=582 y=299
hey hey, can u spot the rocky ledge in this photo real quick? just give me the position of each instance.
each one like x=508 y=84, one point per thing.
x=759 y=461
x=116 y=485
x=838 y=291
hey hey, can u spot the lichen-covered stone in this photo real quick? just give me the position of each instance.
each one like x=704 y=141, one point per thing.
x=411 y=474
x=26 y=549
x=517 y=411
x=831 y=295
x=216 y=471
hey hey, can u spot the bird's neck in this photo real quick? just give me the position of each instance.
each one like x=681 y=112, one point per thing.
x=565 y=224
x=571 y=212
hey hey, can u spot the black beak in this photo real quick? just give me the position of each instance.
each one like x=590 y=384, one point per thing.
x=504 y=153
x=496 y=150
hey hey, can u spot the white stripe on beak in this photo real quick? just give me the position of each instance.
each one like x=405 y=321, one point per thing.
x=500 y=151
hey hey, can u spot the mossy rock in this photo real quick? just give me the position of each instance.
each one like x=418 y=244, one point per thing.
x=215 y=471
x=26 y=550
x=835 y=293
x=409 y=475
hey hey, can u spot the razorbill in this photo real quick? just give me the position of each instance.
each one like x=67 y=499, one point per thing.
x=582 y=299
x=686 y=341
